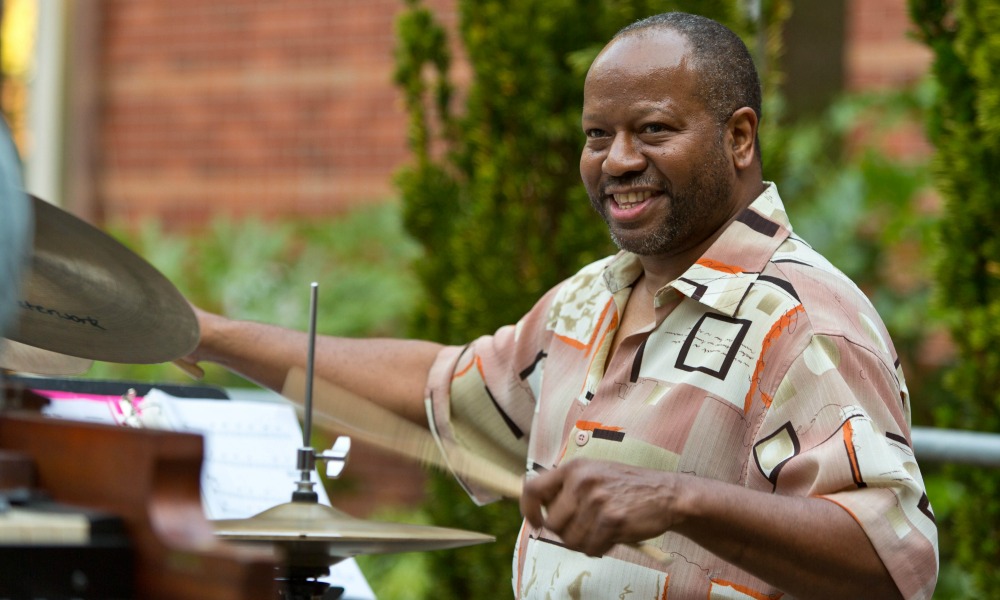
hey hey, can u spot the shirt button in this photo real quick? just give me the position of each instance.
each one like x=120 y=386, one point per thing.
x=582 y=437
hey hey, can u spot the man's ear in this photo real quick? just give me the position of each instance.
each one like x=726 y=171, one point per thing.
x=742 y=135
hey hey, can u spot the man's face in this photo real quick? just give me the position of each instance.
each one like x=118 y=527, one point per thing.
x=654 y=163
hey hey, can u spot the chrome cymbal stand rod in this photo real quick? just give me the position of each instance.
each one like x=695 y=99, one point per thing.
x=306 y=458
x=303 y=582
x=336 y=457
x=310 y=365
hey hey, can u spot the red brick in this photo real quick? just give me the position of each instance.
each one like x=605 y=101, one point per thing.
x=210 y=90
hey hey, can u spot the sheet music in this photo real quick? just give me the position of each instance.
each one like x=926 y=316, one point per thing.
x=250 y=452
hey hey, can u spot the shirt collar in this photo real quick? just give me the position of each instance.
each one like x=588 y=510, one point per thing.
x=722 y=276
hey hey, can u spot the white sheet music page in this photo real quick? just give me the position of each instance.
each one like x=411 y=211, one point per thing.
x=250 y=450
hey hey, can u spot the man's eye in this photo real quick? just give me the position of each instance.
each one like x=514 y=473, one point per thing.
x=595 y=133
x=654 y=128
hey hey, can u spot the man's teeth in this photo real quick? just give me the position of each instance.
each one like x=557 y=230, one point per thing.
x=631 y=199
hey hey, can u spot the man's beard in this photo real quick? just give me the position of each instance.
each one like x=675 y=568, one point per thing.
x=704 y=198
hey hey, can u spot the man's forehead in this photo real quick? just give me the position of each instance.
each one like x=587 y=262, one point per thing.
x=639 y=65
x=651 y=49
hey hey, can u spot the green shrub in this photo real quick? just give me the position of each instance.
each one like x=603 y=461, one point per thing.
x=862 y=210
x=964 y=125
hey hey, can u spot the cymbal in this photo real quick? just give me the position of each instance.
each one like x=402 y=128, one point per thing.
x=87 y=295
x=15 y=356
x=308 y=534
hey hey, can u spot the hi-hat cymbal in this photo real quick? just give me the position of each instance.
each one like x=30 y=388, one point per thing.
x=89 y=296
x=15 y=356
x=315 y=535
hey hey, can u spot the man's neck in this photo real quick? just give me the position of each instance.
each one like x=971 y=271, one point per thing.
x=661 y=269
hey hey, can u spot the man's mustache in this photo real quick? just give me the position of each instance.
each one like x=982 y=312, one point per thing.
x=641 y=180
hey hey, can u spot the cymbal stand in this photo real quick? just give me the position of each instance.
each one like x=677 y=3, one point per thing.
x=301 y=583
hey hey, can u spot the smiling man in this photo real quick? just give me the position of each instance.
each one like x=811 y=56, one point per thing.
x=717 y=389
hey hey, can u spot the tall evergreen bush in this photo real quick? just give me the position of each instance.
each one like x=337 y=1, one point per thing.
x=965 y=128
x=494 y=194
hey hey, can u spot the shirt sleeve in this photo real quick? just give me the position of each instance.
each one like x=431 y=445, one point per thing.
x=838 y=429
x=479 y=400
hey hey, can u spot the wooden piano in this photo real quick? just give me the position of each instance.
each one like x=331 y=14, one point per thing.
x=150 y=479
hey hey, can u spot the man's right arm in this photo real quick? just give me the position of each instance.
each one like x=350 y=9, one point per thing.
x=390 y=372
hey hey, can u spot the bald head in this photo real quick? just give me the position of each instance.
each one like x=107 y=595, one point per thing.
x=727 y=77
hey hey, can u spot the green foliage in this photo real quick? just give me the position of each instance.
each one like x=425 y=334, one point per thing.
x=965 y=128
x=860 y=208
x=494 y=195
x=863 y=210
x=262 y=271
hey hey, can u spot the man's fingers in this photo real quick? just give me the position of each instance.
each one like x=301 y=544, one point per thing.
x=531 y=508
x=536 y=495
x=548 y=501
x=560 y=512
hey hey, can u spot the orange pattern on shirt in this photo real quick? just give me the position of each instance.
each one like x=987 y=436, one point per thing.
x=592 y=425
x=848 y=430
x=779 y=327
x=715 y=265
x=590 y=343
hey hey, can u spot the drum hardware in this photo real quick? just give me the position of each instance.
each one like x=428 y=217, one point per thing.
x=87 y=295
x=309 y=536
x=306 y=459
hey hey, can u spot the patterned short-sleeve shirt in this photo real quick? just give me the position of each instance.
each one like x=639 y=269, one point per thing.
x=766 y=367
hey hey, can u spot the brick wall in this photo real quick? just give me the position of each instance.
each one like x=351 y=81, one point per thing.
x=236 y=107
x=880 y=54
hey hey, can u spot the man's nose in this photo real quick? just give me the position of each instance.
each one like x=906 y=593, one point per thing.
x=623 y=156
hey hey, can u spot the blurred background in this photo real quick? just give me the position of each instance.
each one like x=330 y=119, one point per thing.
x=419 y=160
